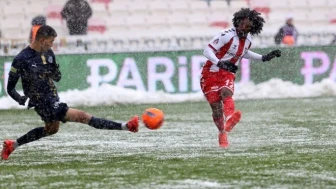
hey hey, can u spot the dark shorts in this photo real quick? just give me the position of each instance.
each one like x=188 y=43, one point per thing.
x=52 y=111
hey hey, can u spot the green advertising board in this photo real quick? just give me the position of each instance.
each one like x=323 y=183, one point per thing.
x=179 y=71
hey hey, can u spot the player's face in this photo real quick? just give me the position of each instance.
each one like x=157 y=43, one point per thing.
x=244 y=28
x=47 y=43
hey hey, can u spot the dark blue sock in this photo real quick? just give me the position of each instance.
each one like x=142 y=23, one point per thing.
x=31 y=136
x=100 y=123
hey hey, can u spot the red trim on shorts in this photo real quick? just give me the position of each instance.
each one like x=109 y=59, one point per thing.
x=214 y=90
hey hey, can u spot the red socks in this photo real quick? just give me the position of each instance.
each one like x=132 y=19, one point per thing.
x=228 y=109
x=228 y=106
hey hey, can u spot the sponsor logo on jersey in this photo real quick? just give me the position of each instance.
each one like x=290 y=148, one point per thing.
x=215 y=42
x=231 y=54
x=56 y=105
x=50 y=59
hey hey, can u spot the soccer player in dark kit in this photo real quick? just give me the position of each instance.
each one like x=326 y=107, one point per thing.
x=36 y=66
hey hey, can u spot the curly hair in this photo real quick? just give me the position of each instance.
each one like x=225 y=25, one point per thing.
x=252 y=15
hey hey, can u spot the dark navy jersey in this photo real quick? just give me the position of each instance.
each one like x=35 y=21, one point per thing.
x=38 y=71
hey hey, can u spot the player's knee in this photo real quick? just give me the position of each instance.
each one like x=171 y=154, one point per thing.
x=51 y=130
x=226 y=93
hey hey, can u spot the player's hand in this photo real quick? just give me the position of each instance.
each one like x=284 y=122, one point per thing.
x=227 y=65
x=271 y=55
x=23 y=100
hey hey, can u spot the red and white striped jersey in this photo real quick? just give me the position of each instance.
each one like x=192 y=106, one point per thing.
x=226 y=45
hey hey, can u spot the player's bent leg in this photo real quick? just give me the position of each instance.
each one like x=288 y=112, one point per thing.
x=232 y=121
x=35 y=134
x=229 y=106
x=51 y=128
x=231 y=117
x=39 y=132
x=228 y=103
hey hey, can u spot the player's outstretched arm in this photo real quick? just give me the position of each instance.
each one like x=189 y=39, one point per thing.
x=271 y=55
x=264 y=58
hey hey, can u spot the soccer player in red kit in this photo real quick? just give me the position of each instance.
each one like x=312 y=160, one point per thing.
x=224 y=52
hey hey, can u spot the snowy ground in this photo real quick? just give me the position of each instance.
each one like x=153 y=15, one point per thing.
x=111 y=95
x=280 y=143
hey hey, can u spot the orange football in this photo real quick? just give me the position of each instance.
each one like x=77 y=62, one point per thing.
x=153 y=118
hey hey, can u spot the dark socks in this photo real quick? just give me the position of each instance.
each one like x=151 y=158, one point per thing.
x=39 y=132
x=31 y=136
x=99 y=123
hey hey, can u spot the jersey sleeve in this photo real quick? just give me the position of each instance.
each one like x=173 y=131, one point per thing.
x=14 y=75
x=252 y=55
x=221 y=39
x=209 y=53
x=16 y=67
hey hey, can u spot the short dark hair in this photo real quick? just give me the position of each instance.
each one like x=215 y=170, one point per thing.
x=39 y=20
x=252 y=15
x=45 y=31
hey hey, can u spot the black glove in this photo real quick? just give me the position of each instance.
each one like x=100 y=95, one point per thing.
x=271 y=55
x=227 y=65
x=22 y=100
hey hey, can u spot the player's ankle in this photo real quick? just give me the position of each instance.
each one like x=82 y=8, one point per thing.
x=16 y=144
x=124 y=126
